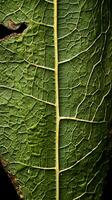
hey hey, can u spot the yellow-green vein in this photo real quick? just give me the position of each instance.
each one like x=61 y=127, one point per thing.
x=57 y=98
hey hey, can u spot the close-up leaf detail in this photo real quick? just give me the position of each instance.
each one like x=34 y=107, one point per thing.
x=56 y=96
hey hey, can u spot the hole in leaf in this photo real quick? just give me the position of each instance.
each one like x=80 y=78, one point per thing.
x=7 y=189
x=11 y=29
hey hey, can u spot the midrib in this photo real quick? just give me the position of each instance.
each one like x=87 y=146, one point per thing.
x=57 y=98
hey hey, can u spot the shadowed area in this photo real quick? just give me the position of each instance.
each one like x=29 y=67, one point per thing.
x=7 y=190
x=107 y=190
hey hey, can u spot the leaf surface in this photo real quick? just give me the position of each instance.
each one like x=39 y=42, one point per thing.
x=55 y=97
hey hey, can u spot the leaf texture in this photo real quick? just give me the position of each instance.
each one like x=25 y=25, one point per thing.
x=55 y=97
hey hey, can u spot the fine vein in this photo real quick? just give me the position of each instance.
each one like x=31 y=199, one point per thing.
x=57 y=98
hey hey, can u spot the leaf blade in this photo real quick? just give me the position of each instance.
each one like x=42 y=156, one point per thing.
x=54 y=120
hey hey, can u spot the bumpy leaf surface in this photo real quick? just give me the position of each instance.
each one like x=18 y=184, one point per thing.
x=55 y=96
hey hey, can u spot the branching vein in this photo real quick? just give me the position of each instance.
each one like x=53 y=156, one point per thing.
x=27 y=95
x=82 y=120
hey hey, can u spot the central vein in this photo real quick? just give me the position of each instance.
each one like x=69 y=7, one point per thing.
x=57 y=98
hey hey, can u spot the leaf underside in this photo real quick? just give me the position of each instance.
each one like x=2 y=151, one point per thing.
x=28 y=96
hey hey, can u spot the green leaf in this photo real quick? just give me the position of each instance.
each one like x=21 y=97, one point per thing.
x=55 y=97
